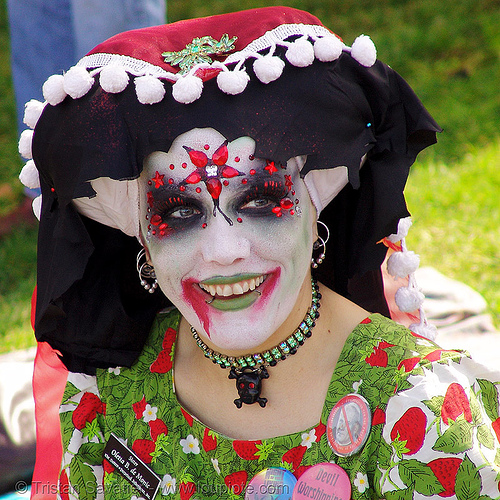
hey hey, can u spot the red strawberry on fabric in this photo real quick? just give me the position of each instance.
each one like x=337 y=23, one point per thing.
x=108 y=468
x=143 y=449
x=294 y=456
x=246 y=449
x=408 y=364
x=88 y=407
x=236 y=481
x=157 y=427
x=319 y=430
x=187 y=490
x=64 y=485
x=163 y=362
x=188 y=417
x=366 y=321
x=408 y=433
x=384 y=345
x=496 y=428
x=445 y=469
x=209 y=442
x=139 y=407
x=377 y=358
x=300 y=470
x=378 y=416
x=455 y=403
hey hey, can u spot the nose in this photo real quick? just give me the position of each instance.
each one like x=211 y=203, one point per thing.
x=223 y=243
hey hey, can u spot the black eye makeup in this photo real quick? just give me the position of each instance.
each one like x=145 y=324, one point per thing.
x=261 y=197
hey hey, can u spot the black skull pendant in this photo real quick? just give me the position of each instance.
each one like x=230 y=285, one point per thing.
x=249 y=385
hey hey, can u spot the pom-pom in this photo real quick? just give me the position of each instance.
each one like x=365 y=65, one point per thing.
x=37 y=206
x=113 y=79
x=364 y=51
x=425 y=330
x=232 y=82
x=187 y=89
x=77 y=82
x=403 y=228
x=149 y=89
x=300 y=53
x=268 y=68
x=408 y=300
x=328 y=48
x=401 y=264
x=53 y=90
x=32 y=111
x=25 y=144
x=29 y=176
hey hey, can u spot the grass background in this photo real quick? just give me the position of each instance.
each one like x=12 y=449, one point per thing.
x=449 y=51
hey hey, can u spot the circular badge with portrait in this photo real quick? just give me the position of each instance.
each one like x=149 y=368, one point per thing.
x=349 y=425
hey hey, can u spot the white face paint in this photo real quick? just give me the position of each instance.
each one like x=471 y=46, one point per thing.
x=230 y=236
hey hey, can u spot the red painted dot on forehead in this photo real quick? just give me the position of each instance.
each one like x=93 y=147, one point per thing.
x=53 y=189
x=172 y=166
x=150 y=183
x=182 y=188
x=184 y=165
x=198 y=190
x=204 y=225
x=171 y=181
x=252 y=172
x=239 y=219
x=206 y=147
x=251 y=157
x=244 y=181
x=237 y=159
x=226 y=183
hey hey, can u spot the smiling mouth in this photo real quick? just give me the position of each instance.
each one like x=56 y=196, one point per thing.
x=230 y=290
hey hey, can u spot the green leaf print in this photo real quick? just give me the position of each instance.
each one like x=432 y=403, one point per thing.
x=435 y=404
x=489 y=396
x=485 y=437
x=92 y=453
x=420 y=475
x=457 y=438
x=384 y=455
x=67 y=427
x=468 y=481
x=70 y=391
x=82 y=479
x=406 y=494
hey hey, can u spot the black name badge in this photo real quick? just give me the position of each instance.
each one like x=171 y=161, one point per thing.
x=131 y=467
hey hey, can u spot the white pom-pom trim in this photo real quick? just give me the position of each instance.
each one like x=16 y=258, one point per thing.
x=25 y=144
x=113 y=79
x=328 y=48
x=77 y=82
x=37 y=206
x=32 y=111
x=29 y=176
x=424 y=329
x=300 y=53
x=187 y=89
x=408 y=300
x=233 y=82
x=53 y=90
x=364 y=51
x=149 y=89
x=402 y=264
x=403 y=228
x=268 y=68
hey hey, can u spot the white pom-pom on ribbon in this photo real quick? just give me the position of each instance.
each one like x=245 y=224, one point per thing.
x=424 y=329
x=408 y=299
x=53 y=90
x=268 y=68
x=403 y=228
x=37 y=206
x=187 y=89
x=32 y=111
x=364 y=51
x=25 y=141
x=401 y=264
x=233 y=82
x=328 y=48
x=113 y=79
x=149 y=89
x=29 y=176
x=77 y=82
x=300 y=53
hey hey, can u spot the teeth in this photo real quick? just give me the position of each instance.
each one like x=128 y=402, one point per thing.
x=234 y=289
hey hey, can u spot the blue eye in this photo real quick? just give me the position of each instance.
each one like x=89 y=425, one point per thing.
x=183 y=212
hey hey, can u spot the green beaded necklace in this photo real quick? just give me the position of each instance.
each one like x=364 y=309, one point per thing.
x=250 y=369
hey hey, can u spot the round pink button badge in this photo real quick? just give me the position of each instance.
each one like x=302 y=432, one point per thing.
x=326 y=481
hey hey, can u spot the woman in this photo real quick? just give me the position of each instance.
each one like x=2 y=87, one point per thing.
x=209 y=148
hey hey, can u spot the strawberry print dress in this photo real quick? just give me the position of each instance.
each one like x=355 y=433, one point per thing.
x=435 y=425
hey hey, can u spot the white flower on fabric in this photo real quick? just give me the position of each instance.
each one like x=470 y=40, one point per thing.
x=115 y=370
x=215 y=463
x=190 y=445
x=149 y=413
x=356 y=385
x=308 y=438
x=361 y=482
x=168 y=485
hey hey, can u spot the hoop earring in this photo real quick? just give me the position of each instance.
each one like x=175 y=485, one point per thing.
x=146 y=272
x=320 y=243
